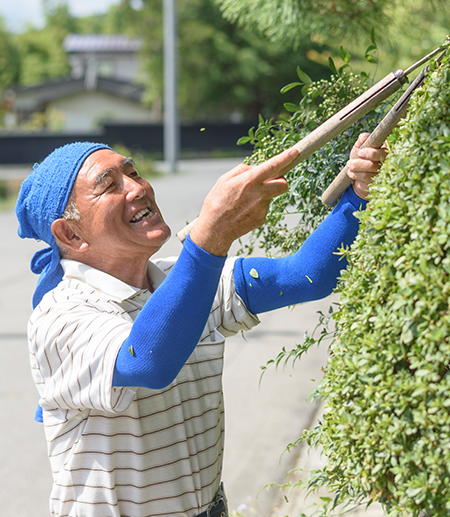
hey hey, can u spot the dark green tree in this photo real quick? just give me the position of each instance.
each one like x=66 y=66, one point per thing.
x=222 y=68
x=9 y=59
x=282 y=20
x=57 y=14
x=9 y=69
x=42 y=56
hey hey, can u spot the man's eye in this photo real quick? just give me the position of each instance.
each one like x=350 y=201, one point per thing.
x=134 y=174
x=109 y=186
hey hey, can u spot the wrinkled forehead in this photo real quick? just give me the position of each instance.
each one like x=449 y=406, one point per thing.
x=100 y=164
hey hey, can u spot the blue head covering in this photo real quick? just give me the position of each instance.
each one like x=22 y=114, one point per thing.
x=42 y=199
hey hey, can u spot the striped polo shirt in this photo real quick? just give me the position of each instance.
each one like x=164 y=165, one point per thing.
x=127 y=452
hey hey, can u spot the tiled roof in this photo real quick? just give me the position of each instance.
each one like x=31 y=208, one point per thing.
x=66 y=86
x=100 y=43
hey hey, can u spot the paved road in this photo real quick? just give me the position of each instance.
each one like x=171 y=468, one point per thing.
x=261 y=420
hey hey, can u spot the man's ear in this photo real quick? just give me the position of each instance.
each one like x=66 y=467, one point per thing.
x=67 y=235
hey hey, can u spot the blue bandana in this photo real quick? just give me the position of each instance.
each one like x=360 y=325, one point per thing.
x=42 y=199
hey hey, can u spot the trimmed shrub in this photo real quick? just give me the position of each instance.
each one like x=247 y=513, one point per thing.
x=386 y=428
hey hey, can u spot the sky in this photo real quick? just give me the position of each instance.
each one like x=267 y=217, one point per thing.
x=18 y=13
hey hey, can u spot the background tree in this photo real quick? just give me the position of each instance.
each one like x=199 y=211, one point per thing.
x=239 y=68
x=406 y=30
x=222 y=68
x=282 y=20
x=9 y=59
x=42 y=56
x=9 y=68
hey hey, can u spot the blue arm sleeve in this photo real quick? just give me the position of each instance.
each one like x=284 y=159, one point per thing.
x=170 y=324
x=309 y=274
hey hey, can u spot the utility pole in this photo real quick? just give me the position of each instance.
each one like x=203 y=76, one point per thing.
x=171 y=124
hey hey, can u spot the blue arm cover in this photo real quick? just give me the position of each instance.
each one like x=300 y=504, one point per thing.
x=170 y=324
x=310 y=273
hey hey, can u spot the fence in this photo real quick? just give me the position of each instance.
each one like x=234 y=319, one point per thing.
x=195 y=138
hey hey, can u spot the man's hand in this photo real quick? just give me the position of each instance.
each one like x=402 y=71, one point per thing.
x=239 y=201
x=364 y=165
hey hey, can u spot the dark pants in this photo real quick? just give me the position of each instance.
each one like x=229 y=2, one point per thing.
x=218 y=507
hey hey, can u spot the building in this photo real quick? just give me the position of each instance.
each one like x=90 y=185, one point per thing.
x=103 y=86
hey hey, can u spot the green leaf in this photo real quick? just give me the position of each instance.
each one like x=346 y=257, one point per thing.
x=345 y=55
x=332 y=66
x=244 y=140
x=304 y=77
x=290 y=86
x=291 y=107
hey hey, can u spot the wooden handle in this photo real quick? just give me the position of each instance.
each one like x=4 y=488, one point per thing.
x=338 y=122
x=346 y=116
x=184 y=232
x=376 y=140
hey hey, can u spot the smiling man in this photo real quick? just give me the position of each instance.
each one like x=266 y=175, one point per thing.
x=119 y=214
x=127 y=352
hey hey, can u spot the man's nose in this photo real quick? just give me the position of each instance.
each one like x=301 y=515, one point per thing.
x=133 y=190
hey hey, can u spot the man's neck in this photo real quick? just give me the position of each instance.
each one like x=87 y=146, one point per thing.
x=132 y=271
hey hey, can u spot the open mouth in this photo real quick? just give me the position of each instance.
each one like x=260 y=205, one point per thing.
x=145 y=213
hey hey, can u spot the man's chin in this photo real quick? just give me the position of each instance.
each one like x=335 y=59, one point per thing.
x=160 y=236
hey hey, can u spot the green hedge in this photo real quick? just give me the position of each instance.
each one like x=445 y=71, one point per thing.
x=386 y=428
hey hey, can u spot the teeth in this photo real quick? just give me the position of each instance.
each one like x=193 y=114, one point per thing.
x=143 y=214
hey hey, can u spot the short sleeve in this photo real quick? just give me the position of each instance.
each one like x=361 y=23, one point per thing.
x=73 y=348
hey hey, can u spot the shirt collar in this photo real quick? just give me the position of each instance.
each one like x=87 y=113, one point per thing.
x=108 y=284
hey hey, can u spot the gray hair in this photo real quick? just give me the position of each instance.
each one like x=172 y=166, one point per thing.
x=71 y=212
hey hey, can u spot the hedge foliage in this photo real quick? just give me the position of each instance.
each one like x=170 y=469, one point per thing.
x=386 y=428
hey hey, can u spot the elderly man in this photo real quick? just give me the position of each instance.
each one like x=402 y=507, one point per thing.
x=126 y=352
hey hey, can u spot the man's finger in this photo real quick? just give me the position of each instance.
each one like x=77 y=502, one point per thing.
x=358 y=165
x=238 y=169
x=371 y=153
x=361 y=139
x=275 y=187
x=276 y=167
x=364 y=177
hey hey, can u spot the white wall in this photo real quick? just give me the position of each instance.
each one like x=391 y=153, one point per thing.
x=84 y=111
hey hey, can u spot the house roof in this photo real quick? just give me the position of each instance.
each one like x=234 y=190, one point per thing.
x=59 y=88
x=100 y=43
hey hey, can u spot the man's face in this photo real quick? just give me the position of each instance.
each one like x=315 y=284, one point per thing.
x=119 y=215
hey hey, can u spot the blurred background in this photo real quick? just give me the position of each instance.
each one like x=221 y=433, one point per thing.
x=72 y=69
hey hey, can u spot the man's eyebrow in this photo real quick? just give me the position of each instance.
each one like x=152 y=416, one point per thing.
x=126 y=162
x=100 y=177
